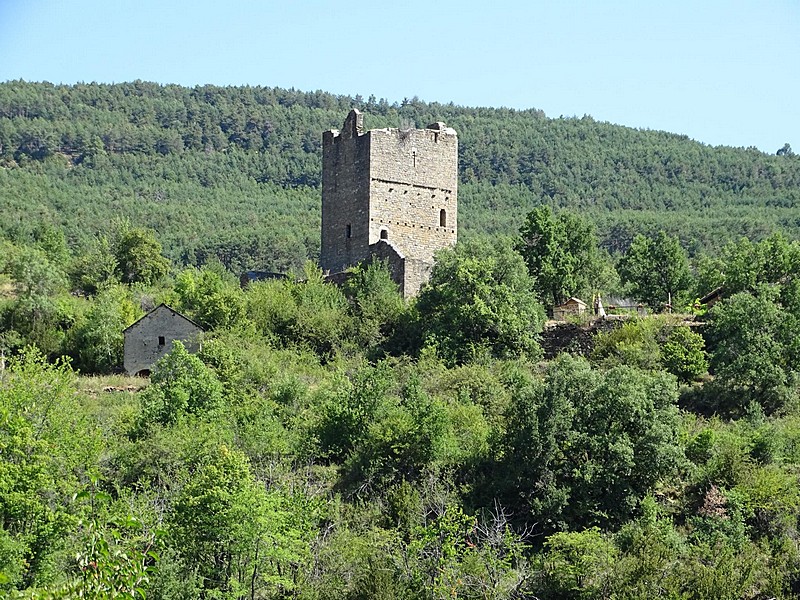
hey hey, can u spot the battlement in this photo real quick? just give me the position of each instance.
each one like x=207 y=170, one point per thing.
x=397 y=185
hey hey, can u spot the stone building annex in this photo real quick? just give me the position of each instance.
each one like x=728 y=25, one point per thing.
x=389 y=194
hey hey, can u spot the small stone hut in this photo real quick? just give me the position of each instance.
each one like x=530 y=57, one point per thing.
x=572 y=307
x=151 y=337
x=712 y=297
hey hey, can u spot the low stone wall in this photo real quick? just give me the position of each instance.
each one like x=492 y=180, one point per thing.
x=574 y=338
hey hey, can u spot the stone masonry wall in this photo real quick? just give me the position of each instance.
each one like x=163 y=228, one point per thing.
x=142 y=348
x=392 y=185
x=413 y=178
x=345 y=197
x=395 y=262
x=417 y=273
x=409 y=273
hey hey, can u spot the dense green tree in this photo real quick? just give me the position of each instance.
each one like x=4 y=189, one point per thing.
x=98 y=340
x=636 y=342
x=210 y=296
x=40 y=312
x=375 y=301
x=708 y=274
x=561 y=253
x=36 y=282
x=588 y=446
x=754 y=352
x=47 y=446
x=181 y=385
x=406 y=439
x=308 y=313
x=235 y=538
x=579 y=564
x=656 y=269
x=785 y=150
x=746 y=265
x=683 y=354
x=480 y=300
x=138 y=255
x=346 y=415
x=95 y=268
x=653 y=343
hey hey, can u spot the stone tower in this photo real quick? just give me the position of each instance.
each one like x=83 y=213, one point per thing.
x=390 y=194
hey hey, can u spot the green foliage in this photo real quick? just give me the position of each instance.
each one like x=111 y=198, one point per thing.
x=235 y=537
x=46 y=447
x=288 y=459
x=98 y=338
x=234 y=172
x=352 y=406
x=590 y=445
x=309 y=314
x=407 y=437
x=683 y=354
x=96 y=268
x=648 y=547
x=561 y=254
x=656 y=269
x=180 y=385
x=746 y=265
x=273 y=475
x=138 y=256
x=578 y=564
x=653 y=343
x=375 y=302
x=210 y=296
x=441 y=546
x=753 y=358
x=111 y=565
x=636 y=342
x=480 y=301
x=38 y=314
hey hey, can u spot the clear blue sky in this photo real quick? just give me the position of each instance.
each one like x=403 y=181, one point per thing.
x=721 y=72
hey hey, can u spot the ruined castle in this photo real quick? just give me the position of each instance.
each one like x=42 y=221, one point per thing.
x=389 y=194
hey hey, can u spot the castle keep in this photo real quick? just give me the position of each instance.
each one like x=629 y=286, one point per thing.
x=389 y=194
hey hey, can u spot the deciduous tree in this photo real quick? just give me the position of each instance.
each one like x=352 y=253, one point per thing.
x=138 y=255
x=561 y=254
x=656 y=269
x=479 y=300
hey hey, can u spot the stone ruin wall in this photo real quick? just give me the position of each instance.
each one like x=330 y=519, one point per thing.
x=409 y=273
x=345 y=197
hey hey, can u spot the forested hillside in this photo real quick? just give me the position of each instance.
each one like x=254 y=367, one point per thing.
x=235 y=172
x=340 y=442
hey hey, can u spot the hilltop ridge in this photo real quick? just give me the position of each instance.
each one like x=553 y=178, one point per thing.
x=235 y=172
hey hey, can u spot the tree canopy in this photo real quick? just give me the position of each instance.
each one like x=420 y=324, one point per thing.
x=480 y=299
x=340 y=442
x=561 y=253
x=235 y=172
x=656 y=269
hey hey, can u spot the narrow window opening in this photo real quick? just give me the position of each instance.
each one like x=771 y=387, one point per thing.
x=443 y=218
x=162 y=341
x=384 y=234
x=349 y=230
